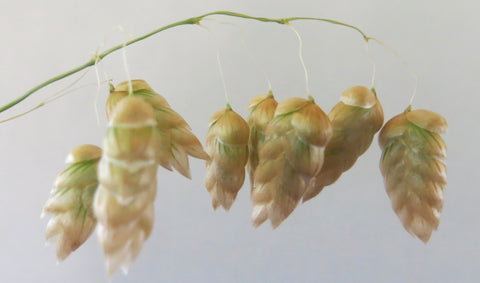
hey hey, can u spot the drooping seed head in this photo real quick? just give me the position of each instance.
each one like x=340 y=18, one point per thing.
x=127 y=173
x=414 y=169
x=355 y=119
x=227 y=144
x=290 y=157
x=262 y=109
x=70 y=202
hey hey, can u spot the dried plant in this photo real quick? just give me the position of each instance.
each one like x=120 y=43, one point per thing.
x=227 y=144
x=414 y=169
x=174 y=136
x=127 y=174
x=71 y=199
x=262 y=108
x=290 y=157
x=355 y=120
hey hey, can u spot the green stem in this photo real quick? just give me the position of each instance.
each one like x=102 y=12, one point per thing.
x=189 y=21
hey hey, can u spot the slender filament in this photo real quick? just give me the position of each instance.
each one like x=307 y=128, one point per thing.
x=124 y=57
x=406 y=65
x=300 y=56
x=374 y=64
x=219 y=63
x=249 y=52
x=66 y=90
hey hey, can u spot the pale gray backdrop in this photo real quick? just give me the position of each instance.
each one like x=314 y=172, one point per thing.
x=349 y=233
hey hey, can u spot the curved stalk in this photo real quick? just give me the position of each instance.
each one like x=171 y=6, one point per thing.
x=190 y=21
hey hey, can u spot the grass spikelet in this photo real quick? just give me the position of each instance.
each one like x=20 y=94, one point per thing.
x=127 y=173
x=355 y=120
x=262 y=108
x=71 y=200
x=227 y=144
x=175 y=141
x=414 y=169
x=290 y=157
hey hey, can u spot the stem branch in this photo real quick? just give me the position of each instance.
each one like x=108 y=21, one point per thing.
x=190 y=21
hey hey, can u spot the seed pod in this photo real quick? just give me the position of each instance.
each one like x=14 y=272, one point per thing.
x=127 y=172
x=355 y=120
x=290 y=157
x=227 y=144
x=71 y=199
x=262 y=108
x=175 y=141
x=414 y=169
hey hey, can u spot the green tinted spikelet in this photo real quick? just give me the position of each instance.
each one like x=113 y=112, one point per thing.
x=414 y=169
x=355 y=120
x=262 y=108
x=175 y=141
x=71 y=199
x=127 y=172
x=290 y=157
x=227 y=144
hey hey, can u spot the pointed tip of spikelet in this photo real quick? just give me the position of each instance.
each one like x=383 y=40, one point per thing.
x=223 y=199
x=259 y=215
x=308 y=195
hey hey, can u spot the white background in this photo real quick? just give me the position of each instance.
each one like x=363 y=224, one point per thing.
x=349 y=233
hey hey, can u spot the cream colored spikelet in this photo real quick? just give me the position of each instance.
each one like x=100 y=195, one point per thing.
x=71 y=200
x=262 y=108
x=175 y=141
x=127 y=171
x=290 y=157
x=227 y=144
x=355 y=120
x=414 y=169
